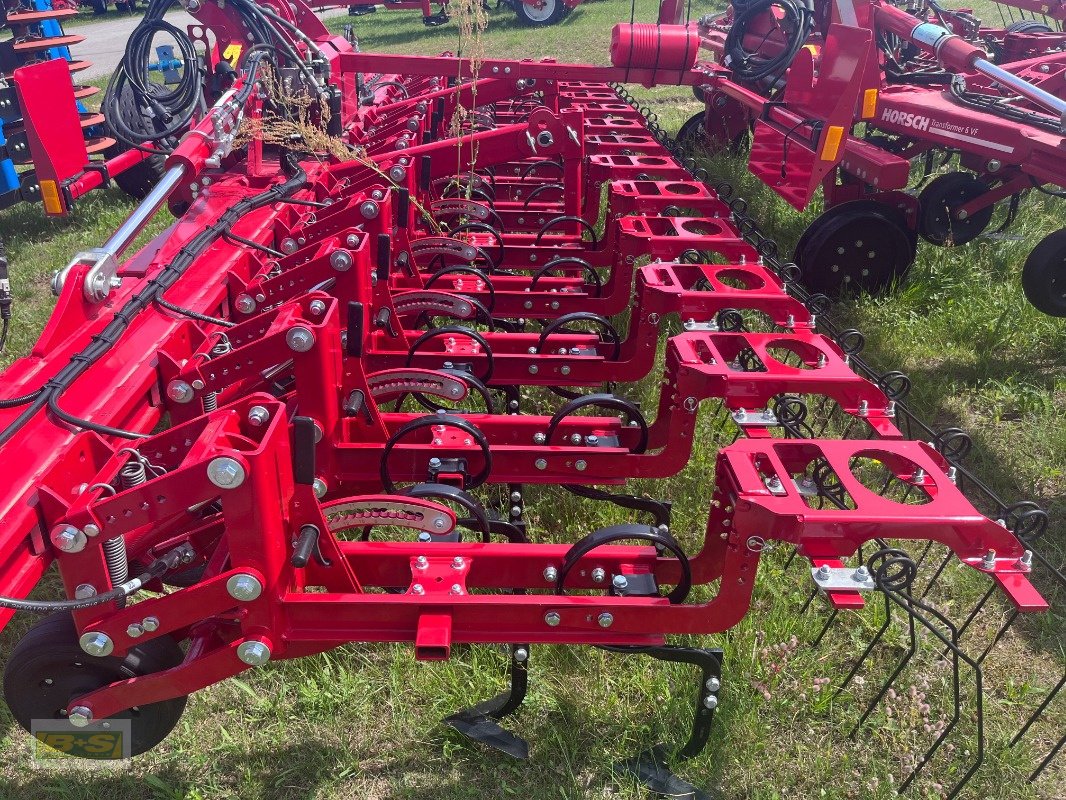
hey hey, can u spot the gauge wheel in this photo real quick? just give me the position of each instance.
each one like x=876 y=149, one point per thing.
x=861 y=245
x=937 y=223
x=1044 y=275
x=47 y=669
x=544 y=13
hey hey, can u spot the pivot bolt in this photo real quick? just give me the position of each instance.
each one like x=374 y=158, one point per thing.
x=80 y=716
x=150 y=624
x=258 y=416
x=244 y=587
x=319 y=487
x=521 y=655
x=369 y=209
x=552 y=618
x=245 y=304
x=606 y=619
x=225 y=473
x=300 y=339
x=179 y=391
x=135 y=630
x=620 y=582
x=341 y=260
x=69 y=539
x=713 y=684
x=96 y=644
x=539 y=438
x=551 y=574
x=710 y=702
x=253 y=653
x=317 y=307
x=545 y=139
x=598 y=575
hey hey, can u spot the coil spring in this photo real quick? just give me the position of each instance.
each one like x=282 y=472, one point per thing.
x=220 y=348
x=133 y=473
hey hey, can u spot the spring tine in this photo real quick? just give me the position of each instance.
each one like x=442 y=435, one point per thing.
x=976 y=610
x=1047 y=759
x=828 y=622
x=925 y=552
x=937 y=574
x=810 y=600
x=911 y=650
x=869 y=649
x=791 y=558
x=1039 y=710
x=999 y=634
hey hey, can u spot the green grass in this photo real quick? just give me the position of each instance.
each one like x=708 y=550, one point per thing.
x=363 y=721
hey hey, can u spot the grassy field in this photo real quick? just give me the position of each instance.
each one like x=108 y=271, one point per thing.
x=363 y=721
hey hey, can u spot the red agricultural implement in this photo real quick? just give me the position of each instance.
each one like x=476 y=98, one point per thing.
x=313 y=411
x=935 y=84
x=535 y=13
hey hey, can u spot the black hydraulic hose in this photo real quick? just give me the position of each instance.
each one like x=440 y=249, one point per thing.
x=797 y=23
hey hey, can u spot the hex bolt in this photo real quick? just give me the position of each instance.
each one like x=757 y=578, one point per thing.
x=289 y=246
x=258 y=416
x=710 y=702
x=319 y=487
x=435 y=463
x=253 y=653
x=179 y=391
x=245 y=304
x=713 y=684
x=421 y=562
x=456 y=589
x=244 y=587
x=989 y=560
x=1026 y=561
x=418 y=588
x=598 y=575
x=521 y=655
x=516 y=511
x=458 y=562
x=300 y=339
x=91 y=530
x=533 y=369
x=581 y=465
x=369 y=209
x=134 y=630
x=516 y=497
x=80 y=716
x=425 y=536
x=541 y=463
x=317 y=307
x=620 y=581
x=552 y=618
x=823 y=573
x=96 y=644
x=551 y=574
x=592 y=439
x=606 y=619
x=84 y=591
x=225 y=473
x=69 y=539
x=341 y=260
x=351 y=241
x=539 y=438
x=861 y=575
x=150 y=624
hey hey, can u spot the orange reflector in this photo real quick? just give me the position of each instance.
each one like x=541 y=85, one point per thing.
x=869 y=103
x=53 y=203
x=832 y=142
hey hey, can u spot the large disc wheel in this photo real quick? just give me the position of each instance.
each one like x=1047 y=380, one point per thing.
x=1044 y=275
x=940 y=200
x=861 y=245
x=542 y=13
x=47 y=669
x=138 y=180
x=693 y=134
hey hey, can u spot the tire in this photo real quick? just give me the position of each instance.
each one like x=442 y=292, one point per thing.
x=48 y=668
x=936 y=221
x=98 y=6
x=552 y=12
x=138 y=180
x=1044 y=275
x=1027 y=26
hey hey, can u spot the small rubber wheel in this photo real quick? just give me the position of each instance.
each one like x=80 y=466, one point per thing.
x=861 y=245
x=138 y=180
x=47 y=669
x=937 y=223
x=547 y=12
x=1044 y=275
x=1027 y=26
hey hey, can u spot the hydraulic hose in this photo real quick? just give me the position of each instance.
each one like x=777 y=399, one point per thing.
x=796 y=23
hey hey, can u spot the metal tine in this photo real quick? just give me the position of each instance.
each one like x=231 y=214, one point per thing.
x=869 y=649
x=936 y=575
x=999 y=635
x=1047 y=759
x=1039 y=710
x=911 y=650
x=925 y=552
x=976 y=610
x=832 y=617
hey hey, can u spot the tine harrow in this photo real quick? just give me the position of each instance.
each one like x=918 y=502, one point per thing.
x=402 y=299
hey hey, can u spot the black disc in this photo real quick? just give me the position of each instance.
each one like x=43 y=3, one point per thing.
x=47 y=669
x=1044 y=275
x=693 y=134
x=937 y=223
x=862 y=245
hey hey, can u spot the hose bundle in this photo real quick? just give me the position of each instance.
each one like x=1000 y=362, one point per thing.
x=796 y=23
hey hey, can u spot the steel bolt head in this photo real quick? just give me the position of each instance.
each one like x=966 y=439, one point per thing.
x=581 y=465
x=398 y=173
x=84 y=591
x=516 y=511
x=592 y=439
x=456 y=589
x=96 y=644
x=421 y=562
x=80 y=716
x=253 y=653
x=823 y=573
x=516 y=497
x=861 y=574
x=317 y=307
x=341 y=260
x=244 y=587
x=541 y=463
x=300 y=339
x=150 y=624
x=225 y=473
x=289 y=246
x=258 y=416
x=710 y=702
x=91 y=530
x=598 y=575
x=620 y=581
x=521 y=655
x=69 y=539
x=352 y=240
x=551 y=574
x=575 y=438
x=458 y=562
x=606 y=619
x=134 y=630
x=245 y=304
x=418 y=589
x=539 y=438
x=435 y=463
x=179 y=391
x=713 y=684
x=319 y=487
x=552 y=619
x=369 y=209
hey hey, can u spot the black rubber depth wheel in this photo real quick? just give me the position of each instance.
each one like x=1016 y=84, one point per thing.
x=47 y=669
x=138 y=180
x=551 y=12
x=862 y=245
x=1044 y=275
x=937 y=223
